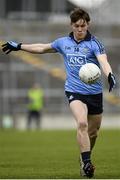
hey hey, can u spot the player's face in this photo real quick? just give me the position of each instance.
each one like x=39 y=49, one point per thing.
x=79 y=29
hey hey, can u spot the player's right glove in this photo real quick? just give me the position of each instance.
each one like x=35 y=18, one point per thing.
x=111 y=81
x=11 y=46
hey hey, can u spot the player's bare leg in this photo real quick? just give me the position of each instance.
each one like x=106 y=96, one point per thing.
x=79 y=111
x=94 y=122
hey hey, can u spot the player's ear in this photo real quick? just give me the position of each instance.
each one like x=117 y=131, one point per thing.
x=71 y=25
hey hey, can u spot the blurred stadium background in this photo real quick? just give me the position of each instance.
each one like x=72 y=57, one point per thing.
x=33 y=21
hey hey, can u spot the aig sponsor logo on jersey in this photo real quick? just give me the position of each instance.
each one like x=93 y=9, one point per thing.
x=76 y=60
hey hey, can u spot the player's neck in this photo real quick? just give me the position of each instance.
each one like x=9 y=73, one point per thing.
x=79 y=38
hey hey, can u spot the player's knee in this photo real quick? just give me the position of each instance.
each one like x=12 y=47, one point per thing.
x=82 y=125
x=93 y=133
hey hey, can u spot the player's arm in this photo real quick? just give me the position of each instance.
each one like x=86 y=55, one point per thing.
x=102 y=58
x=32 y=48
x=38 y=48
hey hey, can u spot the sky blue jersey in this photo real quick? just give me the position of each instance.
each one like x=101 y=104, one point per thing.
x=75 y=55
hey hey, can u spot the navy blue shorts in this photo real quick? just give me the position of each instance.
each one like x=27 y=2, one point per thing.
x=94 y=102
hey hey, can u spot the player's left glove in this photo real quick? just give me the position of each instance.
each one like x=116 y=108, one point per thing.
x=11 y=46
x=111 y=81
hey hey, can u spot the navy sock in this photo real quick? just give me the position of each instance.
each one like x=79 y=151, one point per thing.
x=86 y=157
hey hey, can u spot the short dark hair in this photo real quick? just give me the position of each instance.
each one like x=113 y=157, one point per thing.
x=79 y=13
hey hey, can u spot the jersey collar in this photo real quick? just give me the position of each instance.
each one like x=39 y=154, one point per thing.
x=87 y=37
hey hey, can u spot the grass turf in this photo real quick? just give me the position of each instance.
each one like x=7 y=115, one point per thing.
x=54 y=155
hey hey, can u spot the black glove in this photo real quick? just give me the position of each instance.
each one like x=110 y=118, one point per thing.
x=111 y=81
x=11 y=46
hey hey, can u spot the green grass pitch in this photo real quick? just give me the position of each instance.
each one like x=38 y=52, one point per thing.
x=53 y=154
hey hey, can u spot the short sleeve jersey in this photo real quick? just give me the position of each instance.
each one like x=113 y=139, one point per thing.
x=75 y=55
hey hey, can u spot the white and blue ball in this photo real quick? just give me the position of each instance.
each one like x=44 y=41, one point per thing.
x=89 y=73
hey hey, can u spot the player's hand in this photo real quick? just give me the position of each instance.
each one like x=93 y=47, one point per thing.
x=111 y=81
x=11 y=46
